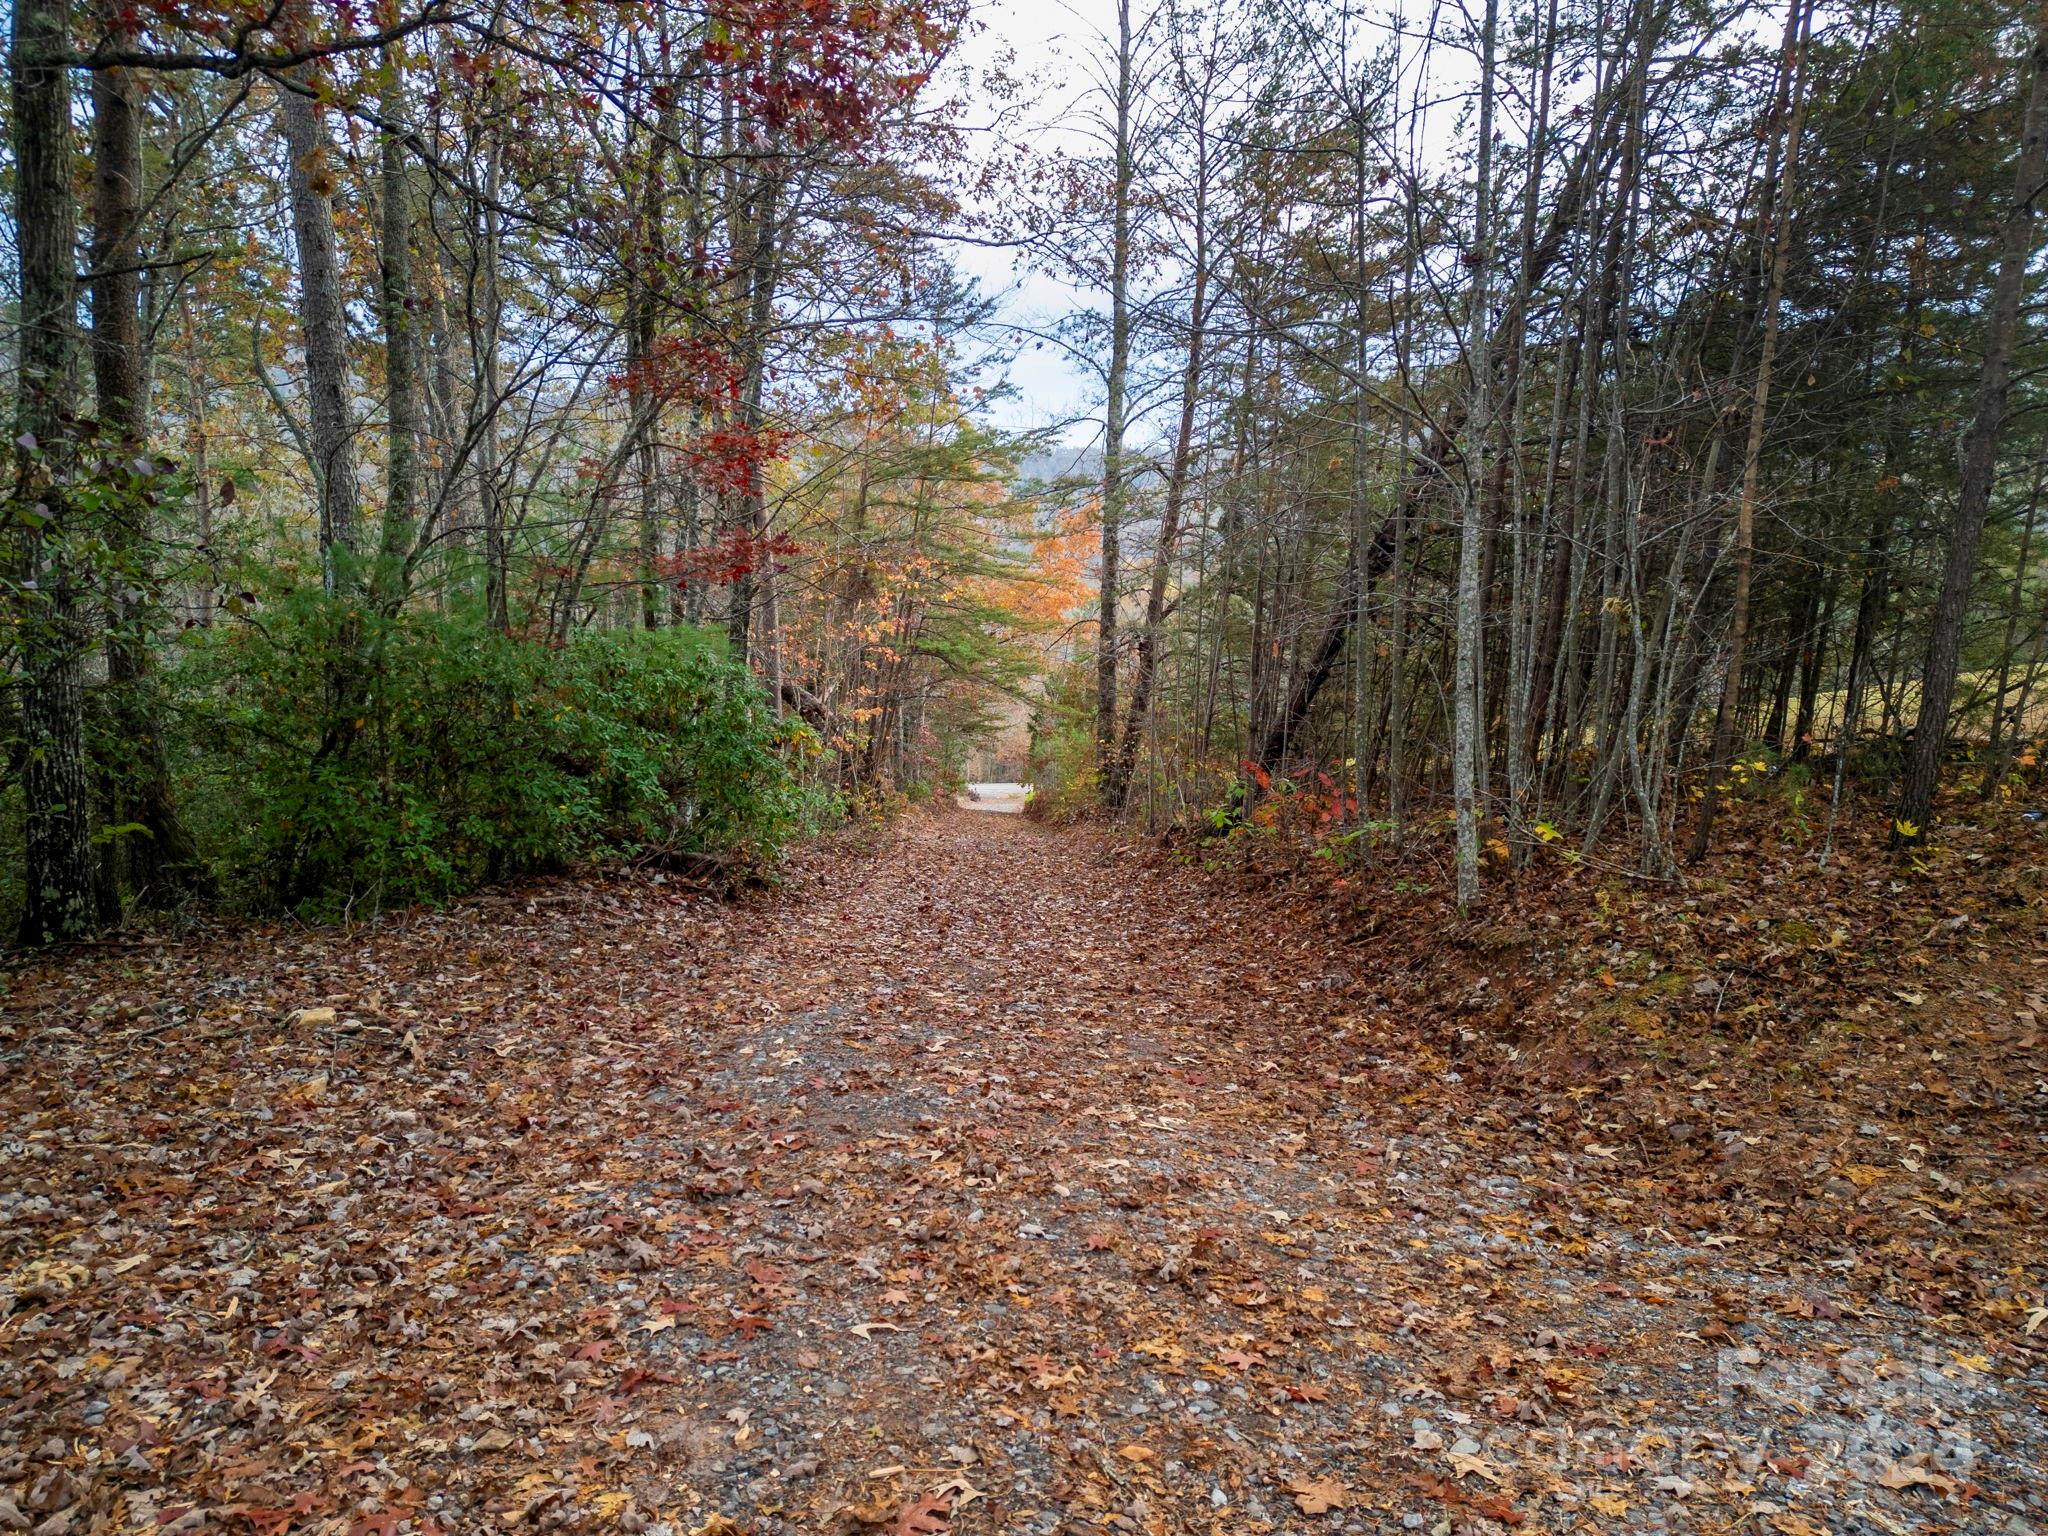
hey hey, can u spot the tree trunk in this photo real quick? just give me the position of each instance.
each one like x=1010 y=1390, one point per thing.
x=1117 y=782
x=750 y=517
x=1619 y=545
x=197 y=394
x=156 y=859
x=647 y=275
x=309 y=180
x=1979 y=463
x=57 y=873
x=2009 y=726
x=1790 y=93
x=330 y=425
x=401 y=348
x=490 y=489
x=1525 y=588
x=1870 y=603
x=1113 y=411
x=1812 y=655
x=1466 y=724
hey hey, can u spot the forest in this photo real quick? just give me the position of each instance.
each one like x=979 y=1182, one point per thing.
x=1502 y=546
x=452 y=444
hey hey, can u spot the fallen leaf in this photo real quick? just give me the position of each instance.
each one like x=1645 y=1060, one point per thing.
x=1473 y=1466
x=1903 y=1475
x=958 y=1492
x=1319 y=1495
x=926 y=1513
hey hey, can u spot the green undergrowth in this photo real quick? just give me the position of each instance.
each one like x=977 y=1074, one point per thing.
x=447 y=755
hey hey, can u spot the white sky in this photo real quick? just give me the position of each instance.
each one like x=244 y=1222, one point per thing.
x=1050 y=44
x=1042 y=36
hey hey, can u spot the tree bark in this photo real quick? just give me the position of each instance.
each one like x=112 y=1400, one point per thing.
x=58 y=874
x=750 y=518
x=2009 y=726
x=1813 y=653
x=309 y=179
x=647 y=275
x=330 y=425
x=485 y=336
x=1870 y=603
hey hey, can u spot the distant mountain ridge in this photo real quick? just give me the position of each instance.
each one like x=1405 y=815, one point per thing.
x=1061 y=463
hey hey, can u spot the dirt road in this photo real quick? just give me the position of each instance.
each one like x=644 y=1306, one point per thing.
x=999 y=1180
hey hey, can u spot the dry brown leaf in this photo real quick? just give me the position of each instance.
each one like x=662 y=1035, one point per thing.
x=1473 y=1466
x=922 y=1515
x=1319 y=1495
x=1905 y=1475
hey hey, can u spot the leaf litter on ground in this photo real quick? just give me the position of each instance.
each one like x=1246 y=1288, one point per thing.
x=1167 y=1204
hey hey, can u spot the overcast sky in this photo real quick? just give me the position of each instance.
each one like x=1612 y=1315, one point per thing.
x=1050 y=44
x=1043 y=37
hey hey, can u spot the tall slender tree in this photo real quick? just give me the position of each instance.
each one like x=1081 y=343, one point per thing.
x=1790 y=111
x=1109 y=577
